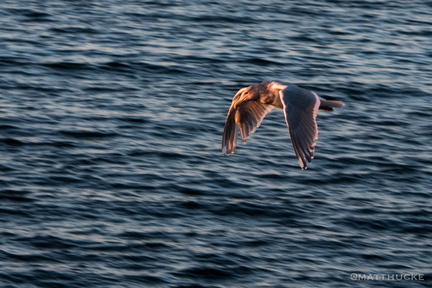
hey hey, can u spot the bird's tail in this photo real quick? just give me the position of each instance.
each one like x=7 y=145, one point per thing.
x=328 y=105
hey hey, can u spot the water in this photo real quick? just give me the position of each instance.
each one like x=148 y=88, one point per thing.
x=111 y=114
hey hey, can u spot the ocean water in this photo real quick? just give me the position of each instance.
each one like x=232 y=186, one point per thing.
x=111 y=173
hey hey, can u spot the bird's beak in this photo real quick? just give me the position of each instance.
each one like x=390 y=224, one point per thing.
x=241 y=91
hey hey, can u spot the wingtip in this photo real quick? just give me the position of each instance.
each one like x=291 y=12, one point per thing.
x=302 y=166
x=225 y=152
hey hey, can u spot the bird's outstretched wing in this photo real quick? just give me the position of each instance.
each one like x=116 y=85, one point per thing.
x=245 y=116
x=300 y=109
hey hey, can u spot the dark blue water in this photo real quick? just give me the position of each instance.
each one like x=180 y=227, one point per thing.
x=111 y=114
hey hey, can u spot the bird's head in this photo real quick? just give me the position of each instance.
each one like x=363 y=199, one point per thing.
x=246 y=93
x=253 y=91
x=256 y=91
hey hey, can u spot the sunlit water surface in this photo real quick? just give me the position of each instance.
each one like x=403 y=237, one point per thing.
x=111 y=114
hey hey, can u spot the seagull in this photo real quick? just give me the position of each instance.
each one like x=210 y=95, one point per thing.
x=300 y=106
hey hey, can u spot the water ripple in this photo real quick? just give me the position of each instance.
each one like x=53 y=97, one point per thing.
x=111 y=117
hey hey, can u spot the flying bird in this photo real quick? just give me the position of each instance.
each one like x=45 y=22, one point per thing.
x=300 y=106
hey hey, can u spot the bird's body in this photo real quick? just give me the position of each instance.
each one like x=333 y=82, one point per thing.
x=250 y=105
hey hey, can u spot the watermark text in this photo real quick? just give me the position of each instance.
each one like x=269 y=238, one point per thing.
x=387 y=277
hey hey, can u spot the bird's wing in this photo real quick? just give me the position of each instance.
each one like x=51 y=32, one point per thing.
x=246 y=117
x=300 y=110
x=249 y=117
